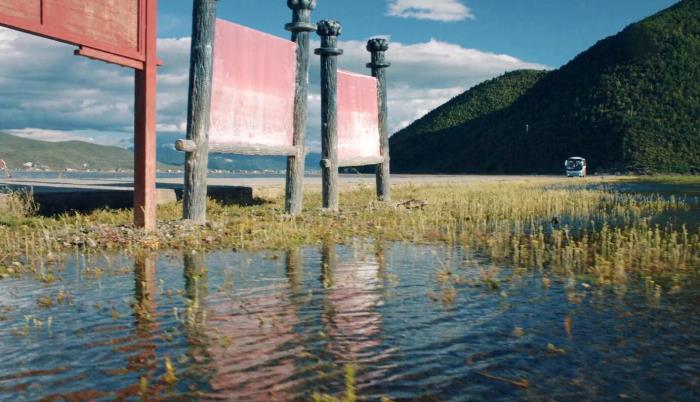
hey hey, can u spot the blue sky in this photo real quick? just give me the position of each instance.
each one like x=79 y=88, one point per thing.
x=439 y=49
x=550 y=32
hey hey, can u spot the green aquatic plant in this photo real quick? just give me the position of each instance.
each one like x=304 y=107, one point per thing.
x=350 y=388
x=576 y=228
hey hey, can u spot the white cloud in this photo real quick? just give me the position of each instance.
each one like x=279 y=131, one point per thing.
x=62 y=96
x=46 y=88
x=425 y=75
x=436 y=10
x=93 y=136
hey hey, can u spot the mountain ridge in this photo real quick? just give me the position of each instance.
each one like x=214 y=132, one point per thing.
x=630 y=102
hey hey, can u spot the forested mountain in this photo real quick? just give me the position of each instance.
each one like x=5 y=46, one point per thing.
x=631 y=102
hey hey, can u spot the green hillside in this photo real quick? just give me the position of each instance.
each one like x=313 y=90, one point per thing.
x=61 y=155
x=631 y=102
x=487 y=97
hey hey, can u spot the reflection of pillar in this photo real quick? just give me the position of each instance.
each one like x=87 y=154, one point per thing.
x=329 y=261
x=380 y=254
x=195 y=287
x=294 y=265
x=329 y=52
x=145 y=292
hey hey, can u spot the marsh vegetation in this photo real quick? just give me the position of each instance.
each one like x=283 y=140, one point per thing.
x=582 y=227
x=505 y=290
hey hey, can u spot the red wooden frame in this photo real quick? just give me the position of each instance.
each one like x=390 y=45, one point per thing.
x=121 y=32
x=76 y=22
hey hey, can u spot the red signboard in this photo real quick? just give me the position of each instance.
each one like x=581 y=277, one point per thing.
x=116 y=31
x=358 y=120
x=109 y=30
x=253 y=87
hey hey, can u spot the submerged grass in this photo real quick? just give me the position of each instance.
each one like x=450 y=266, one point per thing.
x=574 y=227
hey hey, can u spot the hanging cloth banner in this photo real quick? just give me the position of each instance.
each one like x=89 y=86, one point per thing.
x=358 y=120
x=253 y=87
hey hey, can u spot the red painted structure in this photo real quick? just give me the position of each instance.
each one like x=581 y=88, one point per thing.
x=358 y=120
x=253 y=89
x=121 y=32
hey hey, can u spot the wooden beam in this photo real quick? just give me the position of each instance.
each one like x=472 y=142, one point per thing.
x=329 y=52
x=108 y=57
x=378 y=46
x=199 y=110
x=254 y=150
x=360 y=162
x=300 y=27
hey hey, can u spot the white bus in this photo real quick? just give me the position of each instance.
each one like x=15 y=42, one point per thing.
x=575 y=167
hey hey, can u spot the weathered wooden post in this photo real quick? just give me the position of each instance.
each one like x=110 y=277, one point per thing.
x=300 y=27
x=329 y=52
x=377 y=47
x=198 y=110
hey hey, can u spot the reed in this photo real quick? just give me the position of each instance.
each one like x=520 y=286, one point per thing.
x=576 y=228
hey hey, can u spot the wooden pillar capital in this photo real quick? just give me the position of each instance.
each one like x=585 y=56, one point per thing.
x=329 y=31
x=301 y=18
x=378 y=46
x=301 y=4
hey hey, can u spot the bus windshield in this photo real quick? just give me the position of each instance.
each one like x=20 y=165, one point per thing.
x=574 y=164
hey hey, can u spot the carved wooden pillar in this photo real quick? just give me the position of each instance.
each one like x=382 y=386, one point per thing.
x=378 y=46
x=300 y=27
x=329 y=52
x=198 y=110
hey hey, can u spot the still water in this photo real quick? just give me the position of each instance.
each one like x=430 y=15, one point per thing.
x=424 y=323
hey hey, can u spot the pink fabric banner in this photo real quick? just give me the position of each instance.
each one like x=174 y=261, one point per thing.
x=358 y=118
x=253 y=88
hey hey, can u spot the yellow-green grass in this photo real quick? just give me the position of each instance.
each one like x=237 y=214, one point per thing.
x=521 y=223
x=670 y=179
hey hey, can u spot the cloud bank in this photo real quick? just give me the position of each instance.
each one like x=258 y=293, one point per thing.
x=47 y=93
x=436 y=10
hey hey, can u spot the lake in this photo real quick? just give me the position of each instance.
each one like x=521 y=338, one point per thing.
x=416 y=323
x=380 y=320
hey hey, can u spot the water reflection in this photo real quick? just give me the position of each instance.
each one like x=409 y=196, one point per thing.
x=196 y=291
x=281 y=326
x=250 y=334
x=353 y=293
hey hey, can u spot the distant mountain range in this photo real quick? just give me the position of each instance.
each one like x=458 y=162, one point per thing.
x=17 y=151
x=629 y=103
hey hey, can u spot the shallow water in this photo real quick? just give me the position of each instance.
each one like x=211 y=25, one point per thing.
x=281 y=326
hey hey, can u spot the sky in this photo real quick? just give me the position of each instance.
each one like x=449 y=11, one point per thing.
x=439 y=48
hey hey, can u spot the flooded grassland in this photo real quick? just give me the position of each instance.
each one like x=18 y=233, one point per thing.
x=546 y=289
